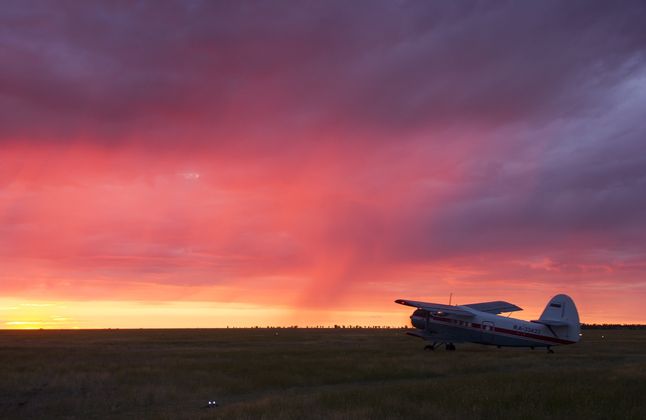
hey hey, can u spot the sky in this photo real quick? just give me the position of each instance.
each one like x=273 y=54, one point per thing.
x=211 y=164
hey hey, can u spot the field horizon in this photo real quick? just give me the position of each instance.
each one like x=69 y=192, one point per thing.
x=584 y=326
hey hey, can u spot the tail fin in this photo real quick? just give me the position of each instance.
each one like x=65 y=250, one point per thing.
x=561 y=314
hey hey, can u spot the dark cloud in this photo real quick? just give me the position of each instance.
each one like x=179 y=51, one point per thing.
x=584 y=191
x=165 y=69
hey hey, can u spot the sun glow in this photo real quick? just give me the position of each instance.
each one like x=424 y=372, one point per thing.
x=191 y=314
x=32 y=315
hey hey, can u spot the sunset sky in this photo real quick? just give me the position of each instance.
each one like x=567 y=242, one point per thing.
x=204 y=164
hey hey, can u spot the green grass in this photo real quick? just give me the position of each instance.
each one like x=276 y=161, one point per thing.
x=337 y=374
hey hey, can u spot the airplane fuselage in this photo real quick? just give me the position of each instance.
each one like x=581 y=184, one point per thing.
x=489 y=329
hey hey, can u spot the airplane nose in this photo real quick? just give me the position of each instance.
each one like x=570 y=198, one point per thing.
x=418 y=322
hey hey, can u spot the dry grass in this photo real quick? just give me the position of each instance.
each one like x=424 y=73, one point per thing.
x=337 y=374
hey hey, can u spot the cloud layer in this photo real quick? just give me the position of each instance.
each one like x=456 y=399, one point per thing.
x=324 y=155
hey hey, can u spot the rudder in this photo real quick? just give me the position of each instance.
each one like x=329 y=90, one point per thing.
x=561 y=308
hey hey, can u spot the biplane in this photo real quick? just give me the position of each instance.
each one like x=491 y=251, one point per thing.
x=481 y=323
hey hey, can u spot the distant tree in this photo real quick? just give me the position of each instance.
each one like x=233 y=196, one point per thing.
x=613 y=327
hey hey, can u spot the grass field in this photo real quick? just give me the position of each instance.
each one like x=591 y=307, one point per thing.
x=299 y=373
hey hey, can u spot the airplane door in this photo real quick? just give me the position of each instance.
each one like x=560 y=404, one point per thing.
x=487 y=332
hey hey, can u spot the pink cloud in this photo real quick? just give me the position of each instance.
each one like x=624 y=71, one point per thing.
x=327 y=158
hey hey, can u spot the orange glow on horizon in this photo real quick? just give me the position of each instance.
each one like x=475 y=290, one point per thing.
x=125 y=314
x=18 y=314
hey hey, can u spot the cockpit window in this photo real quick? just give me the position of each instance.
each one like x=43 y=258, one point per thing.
x=420 y=312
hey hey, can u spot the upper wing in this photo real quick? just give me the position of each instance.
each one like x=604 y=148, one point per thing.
x=494 y=307
x=437 y=308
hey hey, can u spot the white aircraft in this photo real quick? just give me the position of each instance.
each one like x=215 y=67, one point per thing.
x=480 y=323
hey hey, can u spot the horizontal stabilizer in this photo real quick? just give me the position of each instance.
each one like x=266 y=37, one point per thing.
x=552 y=322
x=436 y=308
x=495 y=307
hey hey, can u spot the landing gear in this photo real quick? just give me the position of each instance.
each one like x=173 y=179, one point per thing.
x=549 y=349
x=431 y=347
x=436 y=344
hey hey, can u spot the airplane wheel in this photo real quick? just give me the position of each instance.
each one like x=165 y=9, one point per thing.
x=549 y=350
x=450 y=347
x=429 y=348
